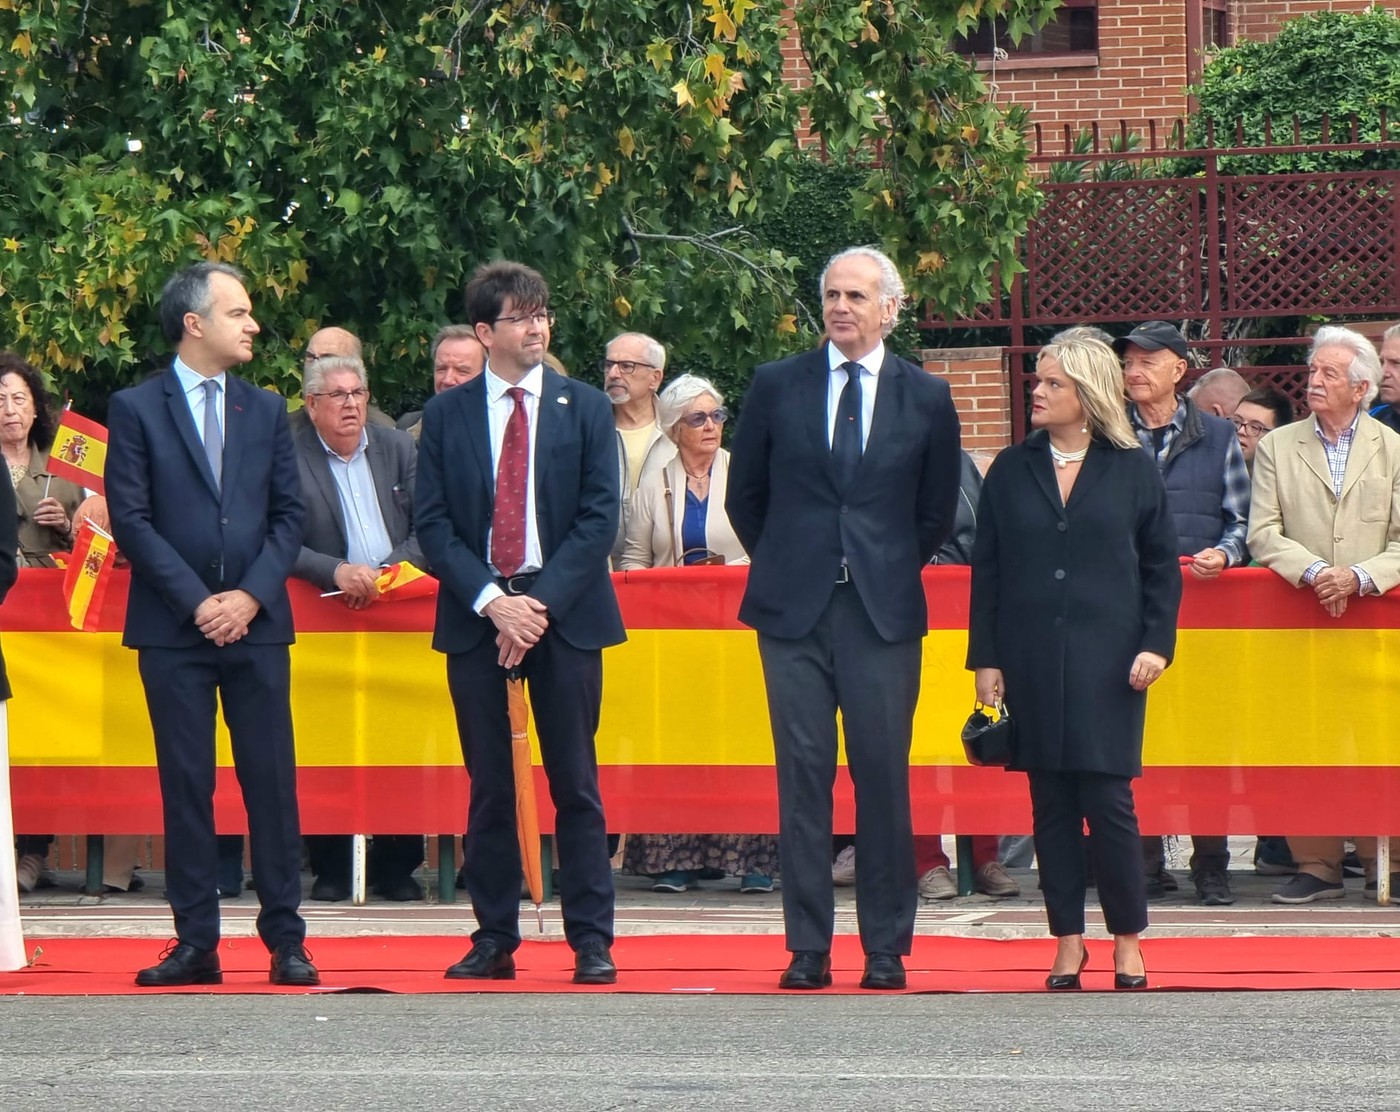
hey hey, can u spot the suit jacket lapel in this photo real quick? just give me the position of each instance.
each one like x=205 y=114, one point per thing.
x=555 y=409
x=1043 y=470
x=1312 y=453
x=309 y=444
x=1363 y=448
x=1093 y=468
x=812 y=404
x=889 y=404
x=183 y=419
x=235 y=424
x=382 y=473
x=472 y=398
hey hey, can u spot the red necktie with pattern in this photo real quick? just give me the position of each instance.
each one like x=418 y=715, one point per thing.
x=512 y=471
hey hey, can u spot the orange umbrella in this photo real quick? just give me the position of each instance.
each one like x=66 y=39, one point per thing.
x=527 y=815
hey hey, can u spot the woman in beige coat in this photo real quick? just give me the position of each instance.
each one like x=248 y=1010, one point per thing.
x=678 y=511
x=678 y=519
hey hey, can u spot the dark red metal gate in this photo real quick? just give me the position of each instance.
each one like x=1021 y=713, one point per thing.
x=1214 y=249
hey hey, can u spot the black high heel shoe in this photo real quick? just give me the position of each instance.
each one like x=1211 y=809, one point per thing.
x=1129 y=982
x=1069 y=982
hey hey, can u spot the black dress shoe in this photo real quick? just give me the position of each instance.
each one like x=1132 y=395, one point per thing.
x=485 y=961
x=401 y=890
x=808 y=969
x=291 y=965
x=183 y=964
x=331 y=891
x=593 y=965
x=883 y=971
x=1067 y=982
x=1129 y=982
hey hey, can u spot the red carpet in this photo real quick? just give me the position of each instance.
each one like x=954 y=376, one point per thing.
x=678 y=964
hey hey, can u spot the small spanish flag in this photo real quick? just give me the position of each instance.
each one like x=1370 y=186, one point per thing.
x=405 y=581
x=79 y=452
x=87 y=575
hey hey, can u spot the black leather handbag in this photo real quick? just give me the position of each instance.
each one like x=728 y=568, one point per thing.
x=988 y=741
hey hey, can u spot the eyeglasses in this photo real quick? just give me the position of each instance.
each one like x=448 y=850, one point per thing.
x=698 y=419
x=624 y=366
x=340 y=397
x=539 y=316
x=1250 y=428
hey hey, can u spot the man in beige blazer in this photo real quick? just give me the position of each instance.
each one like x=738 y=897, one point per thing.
x=1325 y=514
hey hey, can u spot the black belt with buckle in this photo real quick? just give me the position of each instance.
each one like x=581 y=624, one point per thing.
x=517 y=584
x=843 y=575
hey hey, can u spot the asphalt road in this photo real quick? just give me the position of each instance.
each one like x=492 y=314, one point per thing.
x=1237 y=1051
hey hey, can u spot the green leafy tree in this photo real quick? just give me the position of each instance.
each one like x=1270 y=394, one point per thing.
x=1334 y=64
x=358 y=159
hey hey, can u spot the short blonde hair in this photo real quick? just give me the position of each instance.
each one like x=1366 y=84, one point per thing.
x=1098 y=376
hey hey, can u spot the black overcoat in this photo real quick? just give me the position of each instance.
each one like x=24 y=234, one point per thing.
x=1064 y=597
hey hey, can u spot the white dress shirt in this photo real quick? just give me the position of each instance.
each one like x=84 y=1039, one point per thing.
x=869 y=383
x=192 y=382
x=498 y=410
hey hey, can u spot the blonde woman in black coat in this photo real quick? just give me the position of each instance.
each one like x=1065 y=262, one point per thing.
x=1075 y=589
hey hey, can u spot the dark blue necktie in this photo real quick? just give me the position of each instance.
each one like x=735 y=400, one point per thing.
x=845 y=440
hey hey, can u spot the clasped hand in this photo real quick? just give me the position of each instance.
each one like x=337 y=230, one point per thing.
x=520 y=623
x=224 y=618
x=1333 y=586
x=357 y=585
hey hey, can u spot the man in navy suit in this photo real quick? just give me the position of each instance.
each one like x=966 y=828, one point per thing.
x=206 y=504
x=843 y=483
x=517 y=512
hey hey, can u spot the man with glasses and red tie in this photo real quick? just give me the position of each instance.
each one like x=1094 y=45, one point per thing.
x=517 y=510
x=632 y=368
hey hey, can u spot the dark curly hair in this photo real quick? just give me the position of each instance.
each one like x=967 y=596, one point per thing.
x=45 y=420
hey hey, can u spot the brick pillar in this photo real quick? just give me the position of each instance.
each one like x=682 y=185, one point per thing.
x=981 y=385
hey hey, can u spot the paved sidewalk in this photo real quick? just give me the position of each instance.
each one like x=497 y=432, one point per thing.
x=714 y=908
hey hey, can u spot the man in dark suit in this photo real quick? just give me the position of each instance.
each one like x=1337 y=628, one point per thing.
x=206 y=505
x=357 y=480
x=517 y=511
x=843 y=483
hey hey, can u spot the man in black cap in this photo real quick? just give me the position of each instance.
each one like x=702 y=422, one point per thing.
x=1207 y=482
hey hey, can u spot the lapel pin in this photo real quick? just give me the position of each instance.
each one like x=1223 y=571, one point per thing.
x=562 y=400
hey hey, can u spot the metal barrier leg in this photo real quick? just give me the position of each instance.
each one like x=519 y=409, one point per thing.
x=92 y=884
x=447 y=868
x=965 y=866
x=1383 y=870
x=358 y=869
x=547 y=865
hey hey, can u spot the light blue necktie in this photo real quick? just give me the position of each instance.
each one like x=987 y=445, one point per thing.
x=213 y=438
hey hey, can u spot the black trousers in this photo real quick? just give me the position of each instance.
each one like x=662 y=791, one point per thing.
x=565 y=686
x=1061 y=804
x=392 y=857
x=844 y=664
x=183 y=689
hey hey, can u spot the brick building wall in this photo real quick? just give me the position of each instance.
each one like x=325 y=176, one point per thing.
x=1260 y=19
x=980 y=382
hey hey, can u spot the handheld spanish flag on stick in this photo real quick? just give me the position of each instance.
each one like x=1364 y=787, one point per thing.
x=87 y=575
x=79 y=452
x=404 y=581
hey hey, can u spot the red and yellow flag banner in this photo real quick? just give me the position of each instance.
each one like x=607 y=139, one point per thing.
x=1273 y=717
x=404 y=581
x=86 y=576
x=79 y=452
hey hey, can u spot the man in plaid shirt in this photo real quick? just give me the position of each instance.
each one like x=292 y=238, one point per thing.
x=1207 y=482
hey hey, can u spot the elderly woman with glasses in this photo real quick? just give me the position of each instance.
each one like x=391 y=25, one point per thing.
x=678 y=513
x=678 y=519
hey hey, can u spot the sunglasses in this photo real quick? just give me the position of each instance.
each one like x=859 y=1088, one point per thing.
x=697 y=419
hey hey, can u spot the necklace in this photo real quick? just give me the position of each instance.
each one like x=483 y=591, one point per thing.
x=1064 y=459
x=698 y=478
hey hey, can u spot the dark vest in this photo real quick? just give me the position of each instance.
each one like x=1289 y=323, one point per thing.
x=1194 y=472
x=1387 y=416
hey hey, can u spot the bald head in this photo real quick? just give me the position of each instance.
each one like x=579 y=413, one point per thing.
x=332 y=341
x=1219 y=391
